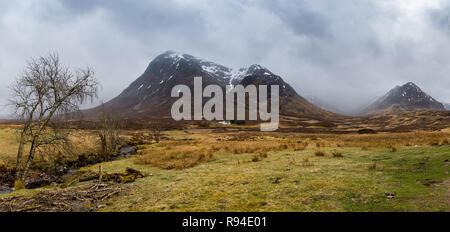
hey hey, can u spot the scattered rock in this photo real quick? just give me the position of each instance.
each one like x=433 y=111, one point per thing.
x=127 y=151
x=429 y=182
x=135 y=172
x=389 y=195
x=276 y=180
x=88 y=176
x=130 y=175
x=127 y=179
x=38 y=184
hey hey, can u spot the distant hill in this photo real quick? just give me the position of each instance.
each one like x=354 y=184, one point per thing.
x=408 y=97
x=5 y=117
x=149 y=97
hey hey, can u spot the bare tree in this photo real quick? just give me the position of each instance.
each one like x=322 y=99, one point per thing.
x=46 y=89
x=108 y=132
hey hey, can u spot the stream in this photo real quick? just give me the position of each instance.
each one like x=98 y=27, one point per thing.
x=124 y=152
x=3 y=192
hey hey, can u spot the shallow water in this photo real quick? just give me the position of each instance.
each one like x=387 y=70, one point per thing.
x=3 y=191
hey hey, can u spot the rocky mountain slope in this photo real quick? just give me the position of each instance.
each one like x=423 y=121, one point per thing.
x=447 y=106
x=408 y=97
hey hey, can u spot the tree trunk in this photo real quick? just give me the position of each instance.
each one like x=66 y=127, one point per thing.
x=104 y=145
x=18 y=183
x=34 y=144
x=20 y=154
x=30 y=159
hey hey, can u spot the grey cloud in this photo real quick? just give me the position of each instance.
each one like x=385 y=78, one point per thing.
x=142 y=17
x=346 y=52
x=300 y=17
x=440 y=18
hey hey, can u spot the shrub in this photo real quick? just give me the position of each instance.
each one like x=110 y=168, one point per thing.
x=319 y=153
x=306 y=162
x=372 y=166
x=3 y=167
x=256 y=158
x=337 y=154
x=434 y=143
x=283 y=147
x=299 y=147
x=263 y=155
x=444 y=142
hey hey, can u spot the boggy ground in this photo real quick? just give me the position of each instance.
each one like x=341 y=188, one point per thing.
x=221 y=170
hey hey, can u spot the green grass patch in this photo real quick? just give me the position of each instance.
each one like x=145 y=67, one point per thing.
x=411 y=179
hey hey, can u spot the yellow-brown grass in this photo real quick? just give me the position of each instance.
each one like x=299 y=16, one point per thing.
x=337 y=154
x=319 y=153
x=191 y=149
x=81 y=142
x=175 y=159
x=8 y=145
x=367 y=141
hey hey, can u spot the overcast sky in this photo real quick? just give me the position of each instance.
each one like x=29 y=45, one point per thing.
x=346 y=52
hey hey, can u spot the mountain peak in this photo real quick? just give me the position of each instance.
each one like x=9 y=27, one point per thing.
x=408 y=97
x=410 y=84
x=174 y=56
x=412 y=92
x=256 y=69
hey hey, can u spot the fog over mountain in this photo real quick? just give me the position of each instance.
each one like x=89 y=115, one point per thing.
x=344 y=52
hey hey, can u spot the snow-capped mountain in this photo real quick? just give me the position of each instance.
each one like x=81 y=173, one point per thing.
x=149 y=96
x=408 y=97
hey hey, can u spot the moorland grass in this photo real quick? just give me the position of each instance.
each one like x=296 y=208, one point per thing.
x=297 y=181
x=287 y=176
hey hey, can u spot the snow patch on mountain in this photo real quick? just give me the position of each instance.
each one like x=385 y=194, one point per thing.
x=216 y=70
